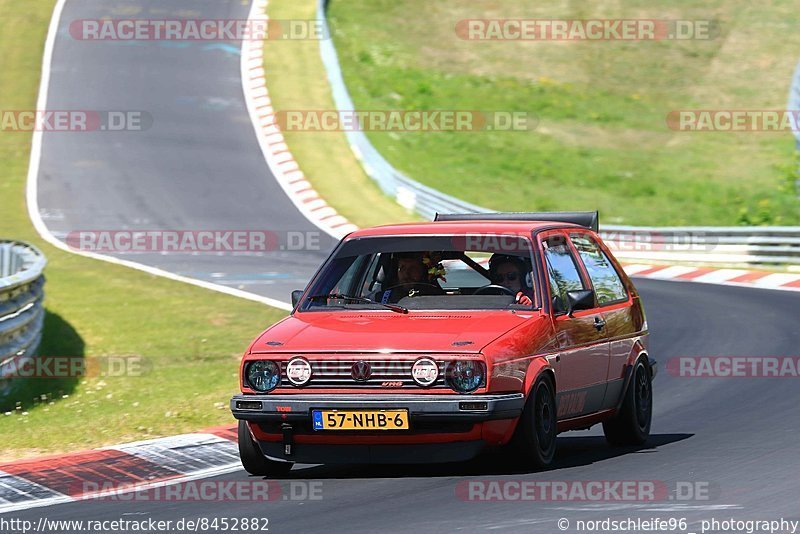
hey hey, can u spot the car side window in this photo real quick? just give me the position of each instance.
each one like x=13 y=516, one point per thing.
x=606 y=281
x=562 y=271
x=350 y=276
x=370 y=280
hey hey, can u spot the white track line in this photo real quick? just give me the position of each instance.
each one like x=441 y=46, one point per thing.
x=33 y=186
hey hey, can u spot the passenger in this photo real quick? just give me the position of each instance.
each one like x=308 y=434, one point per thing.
x=511 y=272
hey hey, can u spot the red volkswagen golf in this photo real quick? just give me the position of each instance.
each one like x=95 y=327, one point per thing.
x=431 y=342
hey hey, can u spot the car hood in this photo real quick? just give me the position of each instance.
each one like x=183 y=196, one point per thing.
x=388 y=331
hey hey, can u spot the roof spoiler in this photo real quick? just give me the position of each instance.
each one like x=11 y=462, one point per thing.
x=588 y=219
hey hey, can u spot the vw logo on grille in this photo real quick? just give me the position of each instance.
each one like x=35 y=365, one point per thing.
x=361 y=371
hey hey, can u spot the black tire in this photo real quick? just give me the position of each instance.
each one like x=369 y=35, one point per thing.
x=535 y=438
x=631 y=426
x=254 y=461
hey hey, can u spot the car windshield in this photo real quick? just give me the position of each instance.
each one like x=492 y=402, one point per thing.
x=460 y=272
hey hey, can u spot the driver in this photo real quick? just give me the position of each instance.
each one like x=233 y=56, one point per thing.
x=411 y=277
x=411 y=270
x=510 y=272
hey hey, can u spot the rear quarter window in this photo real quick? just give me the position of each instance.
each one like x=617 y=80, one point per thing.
x=608 y=285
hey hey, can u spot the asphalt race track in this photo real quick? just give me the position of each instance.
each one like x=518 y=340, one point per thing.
x=199 y=167
x=736 y=437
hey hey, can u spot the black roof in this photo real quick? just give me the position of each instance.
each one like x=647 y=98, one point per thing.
x=588 y=219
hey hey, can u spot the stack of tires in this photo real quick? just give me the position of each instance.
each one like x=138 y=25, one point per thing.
x=21 y=307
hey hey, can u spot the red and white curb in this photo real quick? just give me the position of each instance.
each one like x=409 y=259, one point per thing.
x=117 y=470
x=712 y=275
x=280 y=160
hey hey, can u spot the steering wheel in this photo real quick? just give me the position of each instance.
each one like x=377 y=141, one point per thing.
x=428 y=289
x=494 y=289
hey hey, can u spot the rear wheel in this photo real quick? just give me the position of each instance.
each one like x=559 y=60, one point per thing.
x=254 y=461
x=631 y=426
x=536 y=432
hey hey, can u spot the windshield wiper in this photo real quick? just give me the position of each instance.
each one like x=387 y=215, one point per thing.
x=394 y=307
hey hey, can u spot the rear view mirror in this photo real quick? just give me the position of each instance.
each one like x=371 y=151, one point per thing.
x=296 y=295
x=580 y=300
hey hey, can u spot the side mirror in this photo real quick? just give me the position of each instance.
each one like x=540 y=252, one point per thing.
x=296 y=295
x=580 y=300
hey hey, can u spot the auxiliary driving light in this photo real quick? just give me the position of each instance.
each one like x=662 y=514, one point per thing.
x=298 y=371
x=263 y=375
x=425 y=372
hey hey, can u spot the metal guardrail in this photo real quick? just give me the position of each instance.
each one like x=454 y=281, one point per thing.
x=729 y=245
x=793 y=105
x=21 y=303
x=716 y=245
x=407 y=192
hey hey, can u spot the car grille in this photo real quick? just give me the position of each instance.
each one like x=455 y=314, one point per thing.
x=338 y=374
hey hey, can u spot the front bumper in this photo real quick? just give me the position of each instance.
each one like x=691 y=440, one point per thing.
x=276 y=408
x=443 y=427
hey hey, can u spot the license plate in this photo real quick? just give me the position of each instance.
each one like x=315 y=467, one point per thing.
x=360 y=419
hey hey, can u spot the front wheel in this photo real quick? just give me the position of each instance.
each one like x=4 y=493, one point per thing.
x=254 y=461
x=631 y=426
x=536 y=432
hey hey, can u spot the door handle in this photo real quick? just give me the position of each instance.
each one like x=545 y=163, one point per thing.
x=599 y=323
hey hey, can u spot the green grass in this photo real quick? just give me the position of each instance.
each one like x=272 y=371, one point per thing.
x=189 y=338
x=601 y=141
x=297 y=81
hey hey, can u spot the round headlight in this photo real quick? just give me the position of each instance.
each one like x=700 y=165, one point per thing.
x=425 y=372
x=263 y=375
x=465 y=376
x=298 y=371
